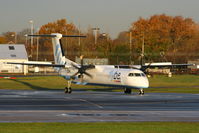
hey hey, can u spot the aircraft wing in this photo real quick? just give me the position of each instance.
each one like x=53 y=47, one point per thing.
x=152 y=65
x=148 y=65
x=37 y=64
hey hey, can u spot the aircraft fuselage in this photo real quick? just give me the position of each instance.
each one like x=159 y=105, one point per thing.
x=108 y=75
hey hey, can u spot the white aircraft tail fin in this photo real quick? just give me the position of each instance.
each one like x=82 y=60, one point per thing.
x=59 y=55
x=58 y=51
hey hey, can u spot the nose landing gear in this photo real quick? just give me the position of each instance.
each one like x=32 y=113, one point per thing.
x=129 y=91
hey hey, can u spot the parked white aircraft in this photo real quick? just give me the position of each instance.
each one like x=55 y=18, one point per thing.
x=127 y=77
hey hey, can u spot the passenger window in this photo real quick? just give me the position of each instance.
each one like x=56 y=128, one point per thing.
x=137 y=74
x=131 y=75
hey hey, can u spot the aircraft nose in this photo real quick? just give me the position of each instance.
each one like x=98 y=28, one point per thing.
x=141 y=82
x=145 y=83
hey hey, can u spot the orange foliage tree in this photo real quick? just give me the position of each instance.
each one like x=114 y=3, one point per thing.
x=60 y=26
x=164 y=36
x=2 y=40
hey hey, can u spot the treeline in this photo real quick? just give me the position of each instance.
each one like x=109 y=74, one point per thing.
x=165 y=38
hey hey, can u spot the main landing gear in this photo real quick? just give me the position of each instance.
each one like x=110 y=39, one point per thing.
x=68 y=89
x=141 y=91
x=127 y=91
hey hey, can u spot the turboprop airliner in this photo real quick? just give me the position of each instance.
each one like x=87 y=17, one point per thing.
x=126 y=77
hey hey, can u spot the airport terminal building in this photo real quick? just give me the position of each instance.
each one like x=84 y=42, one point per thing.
x=13 y=53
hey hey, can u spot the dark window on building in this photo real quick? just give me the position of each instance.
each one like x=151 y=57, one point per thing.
x=13 y=55
x=11 y=48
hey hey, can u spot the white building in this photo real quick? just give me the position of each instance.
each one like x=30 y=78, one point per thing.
x=13 y=53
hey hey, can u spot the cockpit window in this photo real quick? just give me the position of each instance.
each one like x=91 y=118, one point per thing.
x=136 y=75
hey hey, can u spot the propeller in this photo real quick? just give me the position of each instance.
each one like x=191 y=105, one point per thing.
x=144 y=67
x=82 y=69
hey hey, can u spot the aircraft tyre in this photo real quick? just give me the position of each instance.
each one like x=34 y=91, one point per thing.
x=127 y=91
x=68 y=90
x=141 y=92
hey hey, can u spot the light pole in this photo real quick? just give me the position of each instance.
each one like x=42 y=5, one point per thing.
x=142 y=54
x=130 y=46
x=108 y=46
x=37 y=45
x=79 y=40
x=31 y=30
x=95 y=33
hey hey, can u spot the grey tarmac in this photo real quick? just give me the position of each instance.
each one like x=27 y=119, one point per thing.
x=94 y=106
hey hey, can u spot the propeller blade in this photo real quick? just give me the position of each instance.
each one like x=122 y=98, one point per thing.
x=88 y=67
x=82 y=69
x=73 y=76
x=89 y=75
x=75 y=66
x=81 y=58
x=146 y=67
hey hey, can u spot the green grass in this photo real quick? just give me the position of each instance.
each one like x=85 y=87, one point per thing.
x=38 y=83
x=132 y=127
x=175 y=84
x=159 y=83
x=176 y=80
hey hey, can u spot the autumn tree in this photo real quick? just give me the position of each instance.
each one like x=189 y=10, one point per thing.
x=164 y=36
x=2 y=40
x=73 y=46
x=10 y=37
x=60 y=26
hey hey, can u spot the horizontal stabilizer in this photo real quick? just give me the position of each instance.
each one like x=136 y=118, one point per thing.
x=55 y=35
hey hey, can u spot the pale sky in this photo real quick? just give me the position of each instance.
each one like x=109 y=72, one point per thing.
x=111 y=16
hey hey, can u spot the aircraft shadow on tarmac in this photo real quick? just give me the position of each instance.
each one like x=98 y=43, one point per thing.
x=34 y=87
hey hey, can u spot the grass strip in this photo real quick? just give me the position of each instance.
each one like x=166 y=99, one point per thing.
x=124 y=127
x=158 y=84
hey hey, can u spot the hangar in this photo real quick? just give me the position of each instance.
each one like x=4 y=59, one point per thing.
x=13 y=53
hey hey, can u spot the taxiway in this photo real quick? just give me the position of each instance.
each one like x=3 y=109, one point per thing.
x=90 y=106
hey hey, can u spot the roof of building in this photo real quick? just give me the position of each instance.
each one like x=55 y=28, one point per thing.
x=13 y=51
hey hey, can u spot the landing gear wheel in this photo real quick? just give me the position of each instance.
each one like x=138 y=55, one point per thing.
x=141 y=92
x=68 y=90
x=127 y=91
